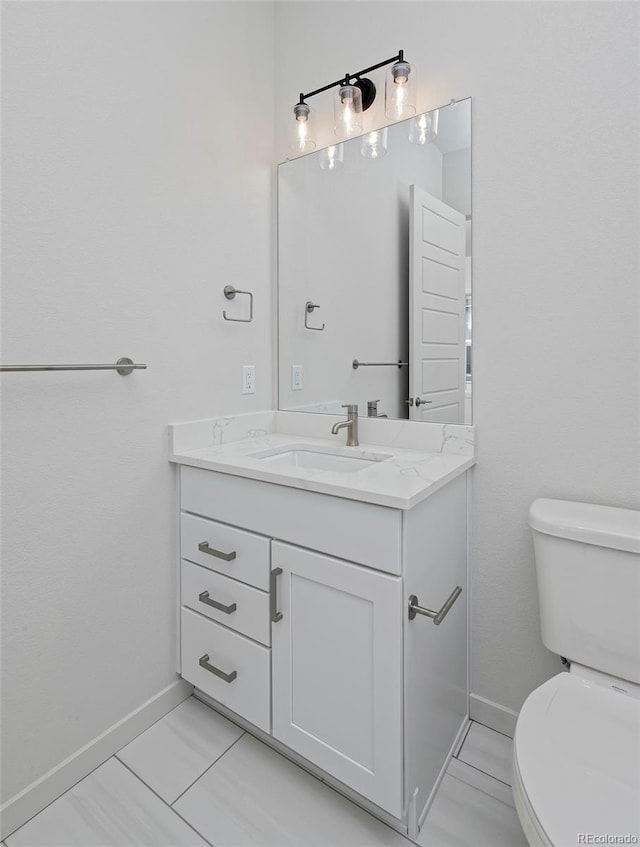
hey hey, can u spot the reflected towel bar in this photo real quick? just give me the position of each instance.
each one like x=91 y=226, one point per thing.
x=356 y=364
x=124 y=367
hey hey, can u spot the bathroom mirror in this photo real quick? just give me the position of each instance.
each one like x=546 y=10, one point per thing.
x=374 y=272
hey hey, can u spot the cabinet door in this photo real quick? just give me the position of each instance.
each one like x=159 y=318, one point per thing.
x=337 y=670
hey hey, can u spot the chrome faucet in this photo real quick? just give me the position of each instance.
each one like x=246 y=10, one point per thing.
x=372 y=409
x=351 y=424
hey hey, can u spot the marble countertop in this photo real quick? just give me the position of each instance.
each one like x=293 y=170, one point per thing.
x=401 y=481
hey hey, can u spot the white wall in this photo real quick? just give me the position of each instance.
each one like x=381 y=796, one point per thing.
x=555 y=253
x=132 y=194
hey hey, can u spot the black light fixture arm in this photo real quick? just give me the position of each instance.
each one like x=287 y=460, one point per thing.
x=347 y=77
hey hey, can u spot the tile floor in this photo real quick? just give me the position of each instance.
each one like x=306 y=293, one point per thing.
x=194 y=778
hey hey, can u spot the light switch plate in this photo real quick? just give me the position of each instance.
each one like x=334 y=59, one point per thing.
x=296 y=377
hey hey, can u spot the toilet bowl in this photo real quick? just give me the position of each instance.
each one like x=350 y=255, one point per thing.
x=576 y=762
x=576 y=750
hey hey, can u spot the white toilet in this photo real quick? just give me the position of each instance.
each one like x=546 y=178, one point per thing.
x=576 y=748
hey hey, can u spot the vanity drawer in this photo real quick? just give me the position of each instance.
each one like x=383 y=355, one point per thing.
x=249 y=692
x=250 y=555
x=251 y=613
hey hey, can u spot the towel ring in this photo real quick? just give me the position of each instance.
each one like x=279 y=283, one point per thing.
x=230 y=292
x=308 y=309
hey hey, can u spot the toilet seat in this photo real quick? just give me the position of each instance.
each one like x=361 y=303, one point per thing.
x=576 y=753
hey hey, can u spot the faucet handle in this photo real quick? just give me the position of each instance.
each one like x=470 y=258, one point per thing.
x=352 y=408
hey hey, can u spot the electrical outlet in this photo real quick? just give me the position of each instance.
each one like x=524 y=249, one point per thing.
x=296 y=377
x=248 y=379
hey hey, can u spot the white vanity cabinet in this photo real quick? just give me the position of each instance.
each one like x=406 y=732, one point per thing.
x=295 y=617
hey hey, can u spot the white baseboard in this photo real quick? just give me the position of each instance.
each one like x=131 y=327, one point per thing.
x=31 y=800
x=482 y=781
x=492 y=715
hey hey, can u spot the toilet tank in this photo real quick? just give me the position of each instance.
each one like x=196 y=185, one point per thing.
x=588 y=571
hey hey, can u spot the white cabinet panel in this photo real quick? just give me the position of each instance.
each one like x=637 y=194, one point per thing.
x=435 y=684
x=359 y=532
x=250 y=562
x=245 y=609
x=337 y=670
x=248 y=692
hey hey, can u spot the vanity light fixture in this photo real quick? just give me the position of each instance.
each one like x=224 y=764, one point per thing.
x=355 y=95
x=374 y=144
x=399 y=91
x=304 y=140
x=332 y=158
x=348 y=111
x=424 y=128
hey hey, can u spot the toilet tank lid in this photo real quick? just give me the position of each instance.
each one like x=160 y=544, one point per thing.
x=605 y=526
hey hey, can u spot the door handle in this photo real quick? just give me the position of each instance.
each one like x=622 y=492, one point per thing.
x=420 y=402
x=204 y=597
x=273 y=595
x=203 y=547
x=203 y=661
x=439 y=616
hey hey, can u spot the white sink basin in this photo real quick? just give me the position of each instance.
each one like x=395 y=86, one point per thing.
x=292 y=456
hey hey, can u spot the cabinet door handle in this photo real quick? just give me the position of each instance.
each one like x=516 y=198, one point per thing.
x=438 y=617
x=203 y=547
x=204 y=597
x=273 y=595
x=203 y=661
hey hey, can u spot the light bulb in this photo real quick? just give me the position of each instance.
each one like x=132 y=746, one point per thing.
x=303 y=134
x=332 y=158
x=348 y=111
x=304 y=139
x=424 y=128
x=399 y=91
x=374 y=144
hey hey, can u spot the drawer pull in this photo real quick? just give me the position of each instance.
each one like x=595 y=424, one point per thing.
x=203 y=597
x=439 y=616
x=203 y=547
x=203 y=661
x=273 y=595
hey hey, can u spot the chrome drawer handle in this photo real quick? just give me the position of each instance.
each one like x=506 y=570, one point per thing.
x=273 y=595
x=203 y=547
x=204 y=597
x=438 y=617
x=203 y=661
